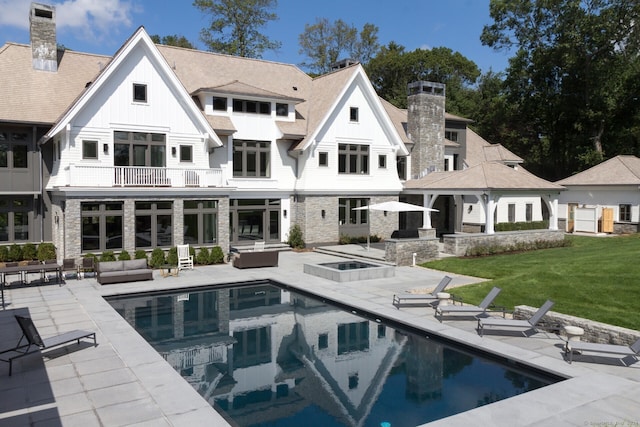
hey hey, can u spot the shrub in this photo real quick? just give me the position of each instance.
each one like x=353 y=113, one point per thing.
x=29 y=251
x=203 y=256
x=295 y=237
x=516 y=226
x=172 y=256
x=124 y=256
x=216 y=256
x=15 y=253
x=347 y=240
x=493 y=249
x=46 y=251
x=157 y=258
x=4 y=253
x=107 y=256
x=140 y=254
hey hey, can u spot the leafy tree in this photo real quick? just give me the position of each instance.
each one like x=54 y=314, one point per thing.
x=573 y=78
x=324 y=43
x=393 y=69
x=173 y=40
x=235 y=25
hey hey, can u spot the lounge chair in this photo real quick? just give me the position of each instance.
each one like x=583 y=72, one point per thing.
x=620 y=350
x=527 y=324
x=34 y=342
x=421 y=299
x=469 y=309
x=185 y=259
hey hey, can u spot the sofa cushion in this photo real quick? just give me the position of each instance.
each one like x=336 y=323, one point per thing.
x=135 y=264
x=110 y=266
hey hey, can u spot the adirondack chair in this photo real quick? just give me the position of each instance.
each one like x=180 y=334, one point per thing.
x=185 y=259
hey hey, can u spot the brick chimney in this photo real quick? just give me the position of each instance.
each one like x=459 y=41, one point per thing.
x=425 y=127
x=44 y=48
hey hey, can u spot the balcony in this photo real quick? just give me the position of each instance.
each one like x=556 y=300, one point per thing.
x=142 y=176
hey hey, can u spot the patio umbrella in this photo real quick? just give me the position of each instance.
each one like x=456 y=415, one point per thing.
x=391 y=206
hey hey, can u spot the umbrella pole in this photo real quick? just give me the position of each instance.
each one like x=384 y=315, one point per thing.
x=368 y=228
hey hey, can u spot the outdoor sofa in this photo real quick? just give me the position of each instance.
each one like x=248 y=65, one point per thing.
x=123 y=271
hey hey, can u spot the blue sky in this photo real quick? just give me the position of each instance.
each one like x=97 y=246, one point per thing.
x=101 y=26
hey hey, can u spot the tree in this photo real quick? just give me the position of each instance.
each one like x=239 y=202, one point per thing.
x=324 y=43
x=393 y=69
x=572 y=77
x=173 y=40
x=235 y=25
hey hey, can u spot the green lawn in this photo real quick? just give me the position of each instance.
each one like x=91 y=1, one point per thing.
x=595 y=278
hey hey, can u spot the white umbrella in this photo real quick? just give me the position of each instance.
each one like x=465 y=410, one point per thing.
x=391 y=206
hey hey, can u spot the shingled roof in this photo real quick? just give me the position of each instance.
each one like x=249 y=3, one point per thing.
x=619 y=170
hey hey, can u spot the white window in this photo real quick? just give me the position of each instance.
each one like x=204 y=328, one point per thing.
x=139 y=92
x=89 y=149
x=512 y=212
x=625 y=213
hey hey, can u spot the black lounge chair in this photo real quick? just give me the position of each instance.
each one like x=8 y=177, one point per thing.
x=632 y=350
x=527 y=324
x=421 y=300
x=469 y=309
x=34 y=342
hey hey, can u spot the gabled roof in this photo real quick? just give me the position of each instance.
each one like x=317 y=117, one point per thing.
x=619 y=170
x=139 y=38
x=479 y=151
x=483 y=176
x=32 y=96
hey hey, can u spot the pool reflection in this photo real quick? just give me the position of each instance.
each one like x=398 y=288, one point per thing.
x=266 y=356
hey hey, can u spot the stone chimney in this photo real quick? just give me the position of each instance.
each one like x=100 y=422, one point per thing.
x=44 y=48
x=425 y=127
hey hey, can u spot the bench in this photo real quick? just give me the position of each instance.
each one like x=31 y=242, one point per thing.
x=256 y=259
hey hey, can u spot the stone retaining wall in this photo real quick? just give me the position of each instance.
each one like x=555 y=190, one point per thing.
x=593 y=331
x=400 y=251
x=457 y=244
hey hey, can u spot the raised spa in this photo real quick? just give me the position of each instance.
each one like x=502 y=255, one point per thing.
x=349 y=271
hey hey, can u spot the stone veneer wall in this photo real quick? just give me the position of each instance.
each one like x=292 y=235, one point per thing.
x=593 y=331
x=457 y=244
x=400 y=251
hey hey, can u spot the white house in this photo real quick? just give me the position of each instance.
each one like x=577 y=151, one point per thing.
x=159 y=145
x=603 y=198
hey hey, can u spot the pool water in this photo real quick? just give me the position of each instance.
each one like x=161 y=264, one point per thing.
x=266 y=356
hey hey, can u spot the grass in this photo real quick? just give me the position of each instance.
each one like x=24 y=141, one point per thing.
x=595 y=278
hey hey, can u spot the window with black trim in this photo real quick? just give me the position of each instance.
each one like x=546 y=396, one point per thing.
x=323 y=341
x=154 y=221
x=89 y=149
x=353 y=337
x=139 y=149
x=186 y=153
x=249 y=106
x=219 y=103
x=200 y=222
x=282 y=110
x=139 y=92
x=451 y=135
x=15 y=218
x=401 y=165
x=323 y=158
x=353 y=158
x=529 y=212
x=353 y=114
x=382 y=161
x=102 y=226
x=13 y=150
x=511 y=212
x=347 y=213
x=251 y=158
x=624 y=214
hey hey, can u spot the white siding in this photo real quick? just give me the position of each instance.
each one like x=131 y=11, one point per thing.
x=601 y=197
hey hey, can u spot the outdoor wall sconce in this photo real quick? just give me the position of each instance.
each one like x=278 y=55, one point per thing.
x=470 y=208
x=173 y=151
x=323 y=213
x=57 y=220
x=105 y=148
x=385 y=213
x=284 y=212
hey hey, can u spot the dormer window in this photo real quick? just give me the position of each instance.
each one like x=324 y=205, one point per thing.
x=353 y=114
x=254 y=107
x=282 y=110
x=451 y=135
x=139 y=92
x=219 y=103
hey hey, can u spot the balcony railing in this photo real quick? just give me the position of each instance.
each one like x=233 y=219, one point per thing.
x=142 y=176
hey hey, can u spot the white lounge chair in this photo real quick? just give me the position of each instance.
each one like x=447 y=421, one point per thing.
x=620 y=350
x=527 y=324
x=468 y=309
x=185 y=259
x=421 y=299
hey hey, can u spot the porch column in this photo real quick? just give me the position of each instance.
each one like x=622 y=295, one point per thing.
x=553 y=213
x=426 y=215
x=489 y=206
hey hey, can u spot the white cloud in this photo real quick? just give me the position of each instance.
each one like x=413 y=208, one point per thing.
x=88 y=19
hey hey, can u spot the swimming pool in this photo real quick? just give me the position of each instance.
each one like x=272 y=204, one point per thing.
x=266 y=356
